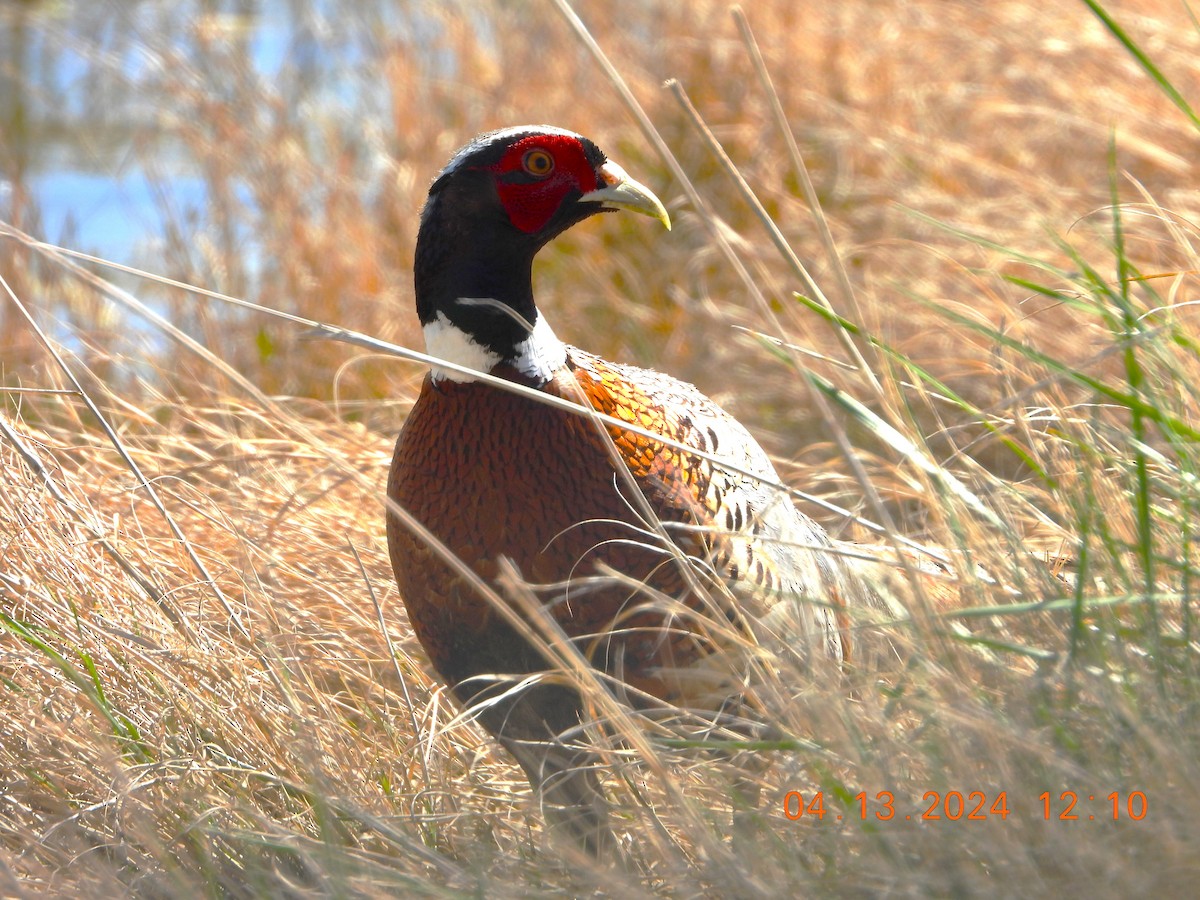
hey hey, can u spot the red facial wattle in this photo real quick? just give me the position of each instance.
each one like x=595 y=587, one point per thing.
x=530 y=195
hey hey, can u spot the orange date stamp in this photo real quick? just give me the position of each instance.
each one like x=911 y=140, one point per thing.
x=969 y=806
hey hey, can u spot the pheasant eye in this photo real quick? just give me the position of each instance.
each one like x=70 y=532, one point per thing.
x=538 y=162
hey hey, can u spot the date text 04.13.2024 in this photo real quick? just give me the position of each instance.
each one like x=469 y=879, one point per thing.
x=973 y=806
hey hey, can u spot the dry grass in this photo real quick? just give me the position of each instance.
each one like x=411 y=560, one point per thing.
x=270 y=729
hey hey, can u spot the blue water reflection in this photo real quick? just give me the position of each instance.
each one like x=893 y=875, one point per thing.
x=116 y=217
x=93 y=87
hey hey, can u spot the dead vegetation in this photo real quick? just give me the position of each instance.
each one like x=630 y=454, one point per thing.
x=207 y=683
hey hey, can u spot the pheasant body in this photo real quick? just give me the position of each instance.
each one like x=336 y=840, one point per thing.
x=652 y=558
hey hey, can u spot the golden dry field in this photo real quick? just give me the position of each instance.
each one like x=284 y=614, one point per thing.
x=983 y=338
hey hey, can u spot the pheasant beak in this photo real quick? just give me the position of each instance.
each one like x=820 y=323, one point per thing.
x=619 y=191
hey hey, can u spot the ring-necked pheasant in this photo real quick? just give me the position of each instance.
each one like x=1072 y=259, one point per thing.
x=495 y=476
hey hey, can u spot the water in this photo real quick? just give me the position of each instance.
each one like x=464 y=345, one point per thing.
x=83 y=119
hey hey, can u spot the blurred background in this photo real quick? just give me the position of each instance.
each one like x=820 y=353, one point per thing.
x=214 y=690
x=280 y=151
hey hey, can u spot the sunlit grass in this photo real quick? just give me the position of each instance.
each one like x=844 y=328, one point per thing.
x=218 y=692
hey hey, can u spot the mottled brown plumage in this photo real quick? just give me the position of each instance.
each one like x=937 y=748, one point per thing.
x=495 y=475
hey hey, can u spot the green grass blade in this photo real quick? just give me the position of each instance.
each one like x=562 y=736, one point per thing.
x=926 y=377
x=906 y=448
x=1144 y=61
